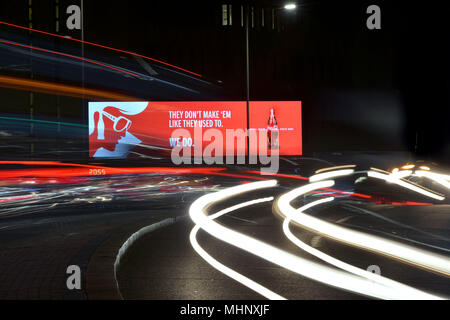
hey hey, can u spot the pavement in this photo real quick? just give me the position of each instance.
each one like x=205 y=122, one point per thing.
x=34 y=255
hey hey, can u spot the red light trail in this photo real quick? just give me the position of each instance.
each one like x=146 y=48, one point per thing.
x=70 y=56
x=100 y=46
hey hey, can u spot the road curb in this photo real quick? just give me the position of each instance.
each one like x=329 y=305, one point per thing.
x=101 y=277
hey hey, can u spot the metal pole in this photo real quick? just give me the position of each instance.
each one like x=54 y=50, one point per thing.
x=247 y=63
x=31 y=95
x=83 y=102
x=58 y=100
x=82 y=46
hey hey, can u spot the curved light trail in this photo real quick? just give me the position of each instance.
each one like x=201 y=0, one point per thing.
x=392 y=178
x=403 y=290
x=224 y=269
x=100 y=46
x=304 y=267
x=436 y=177
x=61 y=89
x=71 y=56
x=422 y=258
x=331 y=174
x=349 y=166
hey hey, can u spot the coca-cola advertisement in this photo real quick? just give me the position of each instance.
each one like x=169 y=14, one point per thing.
x=143 y=129
x=282 y=122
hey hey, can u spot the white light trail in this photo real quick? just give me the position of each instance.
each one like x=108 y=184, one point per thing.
x=312 y=270
x=349 y=166
x=401 y=174
x=393 y=179
x=403 y=291
x=331 y=174
x=406 y=253
x=439 y=178
x=224 y=269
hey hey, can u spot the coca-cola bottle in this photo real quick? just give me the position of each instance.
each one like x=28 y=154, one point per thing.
x=272 y=131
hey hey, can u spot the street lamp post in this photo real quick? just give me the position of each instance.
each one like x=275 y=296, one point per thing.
x=289 y=7
x=247 y=65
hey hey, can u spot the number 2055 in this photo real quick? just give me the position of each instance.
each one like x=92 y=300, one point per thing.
x=97 y=172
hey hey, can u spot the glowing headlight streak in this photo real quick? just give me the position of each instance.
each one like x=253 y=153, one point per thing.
x=401 y=174
x=443 y=176
x=403 y=291
x=393 y=179
x=331 y=174
x=422 y=258
x=309 y=269
x=439 y=178
x=349 y=166
x=226 y=270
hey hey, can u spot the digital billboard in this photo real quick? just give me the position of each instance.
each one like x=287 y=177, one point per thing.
x=133 y=129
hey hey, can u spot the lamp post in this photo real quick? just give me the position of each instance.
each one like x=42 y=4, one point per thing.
x=247 y=73
x=289 y=7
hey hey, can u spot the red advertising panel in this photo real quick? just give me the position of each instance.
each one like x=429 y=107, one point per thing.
x=136 y=129
x=123 y=129
x=280 y=122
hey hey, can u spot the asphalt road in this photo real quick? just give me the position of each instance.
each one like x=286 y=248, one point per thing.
x=163 y=264
x=51 y=221
x=165 y=267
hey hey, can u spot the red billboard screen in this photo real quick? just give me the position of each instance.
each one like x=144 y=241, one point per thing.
x=127 y=129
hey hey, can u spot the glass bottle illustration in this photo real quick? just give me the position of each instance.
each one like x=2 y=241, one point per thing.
x=272 y=131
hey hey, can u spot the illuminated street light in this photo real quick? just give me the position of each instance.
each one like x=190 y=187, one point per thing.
x=290 y=6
